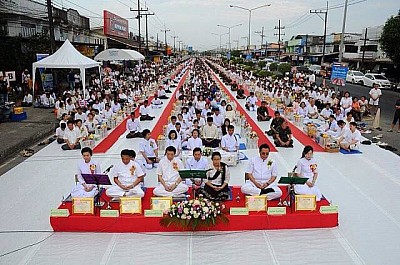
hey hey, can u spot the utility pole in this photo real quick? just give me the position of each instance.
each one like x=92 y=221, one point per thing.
x=179 y=45
x=363 y=48
x=147 y=31
x=305 y=50
x=237 y=44
x=165 y=39
x=262 y=39
x=325 y=23
x=279 y=38
x=341 y=49
x=51 y=26
x=174 y=41
x=138 y=18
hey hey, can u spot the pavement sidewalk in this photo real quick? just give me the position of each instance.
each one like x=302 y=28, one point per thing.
x=16 y=136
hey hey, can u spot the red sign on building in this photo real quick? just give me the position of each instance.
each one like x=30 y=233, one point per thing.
x=115 y=25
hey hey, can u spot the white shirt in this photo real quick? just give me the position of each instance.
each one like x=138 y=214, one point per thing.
x=306 y=168
x=144 y=110
x=218 y=120
x=312 y=109
x=376 y=93
x=251 y=100
x=262 y=170
x=192 y=143
x=81 y=117
x=192 y=163
x=350 y=136
x=230 y=142
x=175 y=143
x=148 y=147
x=107 y=114
x=127 y=174
x=326 y=113
x=133 y=125
x=346 y=102
x=169 y=169
x=60 y=133
x=302 y=112
x=71 y=135
x=93 y=167
x=28 y=98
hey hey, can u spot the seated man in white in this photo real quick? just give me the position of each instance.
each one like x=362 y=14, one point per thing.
x=127 y=177
x=71 y=137
x=196 y=162
x=170 y=183
x=351 y=138
x=262 y=173
x=251 y=102
x=133 y=127
x=229 y=143
x=156 y=103
x=149 y=150
x=144 y=111
x=326 y=112
x=86 y=166
x=333 y=127
x=307 y=168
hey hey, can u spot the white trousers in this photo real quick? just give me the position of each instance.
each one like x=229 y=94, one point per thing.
x=116 y=192
x=78 y=191
x=250 y=189
x=305 y=190
x=179 y=190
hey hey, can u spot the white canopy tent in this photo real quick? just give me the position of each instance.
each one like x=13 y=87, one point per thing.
x=67 y=57
x=119 y=55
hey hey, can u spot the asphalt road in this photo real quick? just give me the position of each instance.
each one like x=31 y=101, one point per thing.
x=387 y=100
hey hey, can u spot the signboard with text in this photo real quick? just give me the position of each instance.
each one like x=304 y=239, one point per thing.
x=339 y=73
x=115 y=25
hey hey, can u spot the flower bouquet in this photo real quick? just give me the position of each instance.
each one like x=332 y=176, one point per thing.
x=207 y=151
x=252 y=140
x=196 y=213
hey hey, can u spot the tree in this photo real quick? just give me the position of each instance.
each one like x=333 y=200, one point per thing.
x=273 y=67
x=284 y=68
x=390 y=39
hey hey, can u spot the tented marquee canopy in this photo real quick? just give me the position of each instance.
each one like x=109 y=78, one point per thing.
x=119 y=55
x=67 y=57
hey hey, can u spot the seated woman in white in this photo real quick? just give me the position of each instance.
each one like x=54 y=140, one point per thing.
x=307 y=168
x=194 y=141
x=86 y=166
x=149 y=150
x=302 y=111
x=174 y=141
x=170 y=183
x=128 y=176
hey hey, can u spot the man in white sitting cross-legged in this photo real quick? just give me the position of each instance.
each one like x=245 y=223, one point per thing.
x=262 y=173
x=170 y=183
x=229 y=143
x=128 y=176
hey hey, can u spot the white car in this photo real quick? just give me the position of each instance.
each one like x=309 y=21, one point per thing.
x=371 y=79
x=355 y=77
x=316 y=69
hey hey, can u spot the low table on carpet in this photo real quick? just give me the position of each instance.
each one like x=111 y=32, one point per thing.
x=140 y=223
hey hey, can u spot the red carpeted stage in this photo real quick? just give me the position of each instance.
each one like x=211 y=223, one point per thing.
x=140 y=223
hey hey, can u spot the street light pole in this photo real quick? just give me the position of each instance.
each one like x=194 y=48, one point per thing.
x=220 y=39
x=229 y=32
x=341 y=49
x=249 y=10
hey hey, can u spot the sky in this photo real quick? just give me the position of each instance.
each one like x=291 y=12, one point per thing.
x=193 y=21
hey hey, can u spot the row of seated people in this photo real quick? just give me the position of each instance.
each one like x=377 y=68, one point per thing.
x=262 y=172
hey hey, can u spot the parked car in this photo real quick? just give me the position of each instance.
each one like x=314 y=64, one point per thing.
x=355 y=77
x=316 y=69
x=371 y=79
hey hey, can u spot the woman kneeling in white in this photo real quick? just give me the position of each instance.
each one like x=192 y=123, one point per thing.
x=170 y=183
x=127 y=177
x=307 y=168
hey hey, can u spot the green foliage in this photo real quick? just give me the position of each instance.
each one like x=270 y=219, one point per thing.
x=390 y=38
x=262 y=64
x=284 y=67
x=263 y=73
x=273 y=67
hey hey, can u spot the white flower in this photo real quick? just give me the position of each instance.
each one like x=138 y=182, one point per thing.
x=217 y=204
x=196 y=202
x=186 y=211
x=206 y=209
x=196 y=215
x=183 y=216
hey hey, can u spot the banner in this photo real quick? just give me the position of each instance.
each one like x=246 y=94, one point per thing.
x=115 y=25
x=339 y=73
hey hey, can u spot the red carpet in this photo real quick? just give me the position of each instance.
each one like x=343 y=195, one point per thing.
x=163 y=119
x=262 y=137
x=139 y=223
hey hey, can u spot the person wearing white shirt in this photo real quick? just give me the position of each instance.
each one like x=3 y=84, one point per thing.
x=144 y=111
x=340 y=130
x=60 y=131
x=375 y=93
x=149 y=150
x=346 y=102
x=71 y=137
x=107 y=113
x=91 y=123
x=128 y=176
x=115 y=106
x=312 y=110
x=332 y=125
x=349 y=119
x=229 y=142
x=200 y=119
x=251 y=102
x=302 y=111
x=210 y=134
x=326 y=112
x=218 y=118
x=83 y=132
x=194 y=141
x=339 y=114
x=170 y=183
x=80 y=115
x=86 y=166
x=133 y=127
x=262 y=173
x=197 y=162
x=175 y=141
x=351 y=138
x=307 y=168
x=156 y=103
x=28 y=100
